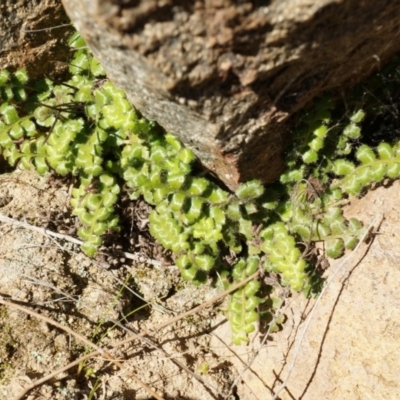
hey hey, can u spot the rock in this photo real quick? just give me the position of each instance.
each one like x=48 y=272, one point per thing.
x=224 y=76
x=31 y=37
x=350 y=348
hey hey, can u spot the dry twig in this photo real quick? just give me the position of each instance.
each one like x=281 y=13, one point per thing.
x=152 y=343
x=100 y=351
x=135 y=257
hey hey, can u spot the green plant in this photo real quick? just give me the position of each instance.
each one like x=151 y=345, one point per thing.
x=87 y=128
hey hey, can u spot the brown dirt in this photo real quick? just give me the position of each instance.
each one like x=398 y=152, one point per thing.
x=349 y=351
x=57 y=280
x=34 y=36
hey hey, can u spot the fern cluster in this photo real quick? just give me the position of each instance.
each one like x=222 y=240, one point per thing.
x=86 y=127
x=372 y=166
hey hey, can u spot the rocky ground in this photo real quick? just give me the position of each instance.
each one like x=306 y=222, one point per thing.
x=343 y=346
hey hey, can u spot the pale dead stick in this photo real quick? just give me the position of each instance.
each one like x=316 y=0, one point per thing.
x=34 y=281
x=99 y=350
x=122 y=342
x=57 y=235
x=51 y=234
x=155 y=345
x=65 y=328
x=373 y=226
x=12 y=221
x=44 y=29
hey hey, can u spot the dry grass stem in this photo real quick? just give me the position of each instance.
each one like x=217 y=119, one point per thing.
x=99 y=350
x=134 y=257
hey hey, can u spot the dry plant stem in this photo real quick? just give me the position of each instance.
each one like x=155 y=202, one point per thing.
x=153 y=304
x=201 y=306
x=35 y=281
x=44 y=29
x=155 y=345
x=99 y=350
x=45 y=232
x=133 y=337
x=371 y=228
x=52 y=322
x=55 y=373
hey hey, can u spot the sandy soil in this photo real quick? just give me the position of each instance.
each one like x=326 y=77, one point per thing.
x=348 y=351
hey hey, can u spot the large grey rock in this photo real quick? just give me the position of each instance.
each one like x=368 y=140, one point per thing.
x=225 y=75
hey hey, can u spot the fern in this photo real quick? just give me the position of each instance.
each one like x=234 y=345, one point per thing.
x=86 y=127
x=373 y=166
